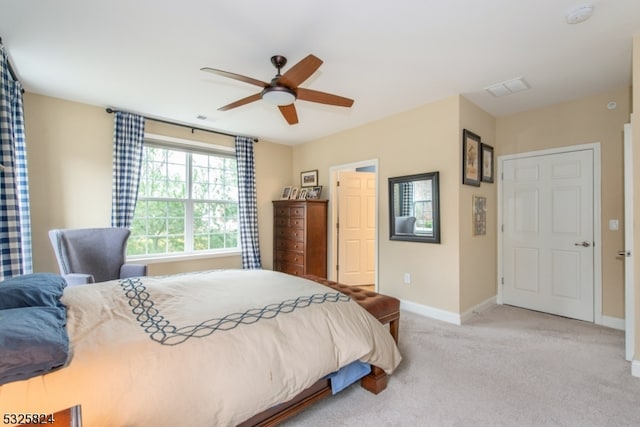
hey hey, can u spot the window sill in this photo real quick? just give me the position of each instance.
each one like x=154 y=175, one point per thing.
x=163 y=258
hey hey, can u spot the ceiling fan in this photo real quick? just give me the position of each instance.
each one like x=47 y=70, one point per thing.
x=284 y=89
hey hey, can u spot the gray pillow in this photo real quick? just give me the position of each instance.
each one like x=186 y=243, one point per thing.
x=33 y=341
x=32 y=290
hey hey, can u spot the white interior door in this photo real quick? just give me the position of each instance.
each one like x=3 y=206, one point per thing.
x=356 y=228
x=629 y=317
x=548 y=233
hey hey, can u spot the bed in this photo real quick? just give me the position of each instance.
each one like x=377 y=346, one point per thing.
x=206 y=348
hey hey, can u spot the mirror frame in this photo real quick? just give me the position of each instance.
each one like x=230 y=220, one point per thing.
x=435 y=205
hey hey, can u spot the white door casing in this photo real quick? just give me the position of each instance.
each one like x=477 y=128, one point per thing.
x=627 y=253
x=549 y=235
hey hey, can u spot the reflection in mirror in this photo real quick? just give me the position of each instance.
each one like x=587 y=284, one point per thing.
x=414 y=212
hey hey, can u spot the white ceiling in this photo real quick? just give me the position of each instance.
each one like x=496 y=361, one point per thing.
x=389 y=56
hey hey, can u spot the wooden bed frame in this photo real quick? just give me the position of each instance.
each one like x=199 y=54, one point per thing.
x=386 y=309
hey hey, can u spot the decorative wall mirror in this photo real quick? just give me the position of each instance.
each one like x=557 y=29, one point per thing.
x=414 y=208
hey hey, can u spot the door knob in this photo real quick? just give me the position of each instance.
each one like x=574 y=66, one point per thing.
x=624 y=253
x=585 y=244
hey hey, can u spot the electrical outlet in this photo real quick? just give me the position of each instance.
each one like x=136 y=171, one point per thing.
x=407 y=278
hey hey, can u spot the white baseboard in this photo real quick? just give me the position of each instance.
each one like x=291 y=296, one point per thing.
x=635 y=368
x=484 y=305
x=444 y=315
x=613 y=322
x=434 y=313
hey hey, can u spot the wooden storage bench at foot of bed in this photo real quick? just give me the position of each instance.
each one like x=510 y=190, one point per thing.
x=384 y=308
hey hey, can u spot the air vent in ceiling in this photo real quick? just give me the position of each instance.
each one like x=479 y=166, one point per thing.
x=508 y=87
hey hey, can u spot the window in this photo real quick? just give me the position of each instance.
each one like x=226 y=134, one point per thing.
x=187 y=203
x=422 y=208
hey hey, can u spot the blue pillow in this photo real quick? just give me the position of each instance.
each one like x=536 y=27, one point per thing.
x=32 y=290
x=33 y=341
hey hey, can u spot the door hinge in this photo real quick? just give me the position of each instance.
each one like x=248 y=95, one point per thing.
x=502 y=228
x=337 y=183
x=502 y=281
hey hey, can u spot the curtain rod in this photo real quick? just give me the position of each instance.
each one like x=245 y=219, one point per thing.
x=111 y=110
x=13 y=73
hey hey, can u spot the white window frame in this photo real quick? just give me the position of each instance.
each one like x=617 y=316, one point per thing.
x=192 y=146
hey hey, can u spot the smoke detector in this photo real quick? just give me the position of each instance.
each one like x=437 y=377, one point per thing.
x=579 y=14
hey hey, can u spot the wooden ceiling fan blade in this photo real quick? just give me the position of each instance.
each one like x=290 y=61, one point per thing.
x=323 y=97
x=301 y=71
x=241 y=102
x=235 y=76
x=289 y=112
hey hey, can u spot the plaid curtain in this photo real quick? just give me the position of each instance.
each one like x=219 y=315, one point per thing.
x=247 y=204
x=406 y=207
x=128 y=137
x=15 y=217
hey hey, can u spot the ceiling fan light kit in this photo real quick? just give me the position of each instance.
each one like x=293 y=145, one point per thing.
x=278 y=95
x=283 y=89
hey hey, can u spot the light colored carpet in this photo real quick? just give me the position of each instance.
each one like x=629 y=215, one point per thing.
x=505 y=367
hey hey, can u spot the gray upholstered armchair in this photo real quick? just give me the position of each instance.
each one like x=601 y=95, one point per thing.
x=405 y=224
x=90 y=255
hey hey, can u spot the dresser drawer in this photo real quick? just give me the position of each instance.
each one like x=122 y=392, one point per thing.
x=290 y=211
x=285 y=267
x=282 y=221
x=296 y=212
x=289 y=245
x=291 y=257
x=290 y=233
x=282 y=211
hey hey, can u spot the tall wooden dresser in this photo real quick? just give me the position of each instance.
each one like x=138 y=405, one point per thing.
x=300 y=237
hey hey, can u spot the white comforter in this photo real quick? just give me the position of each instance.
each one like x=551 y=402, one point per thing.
x=208 y=349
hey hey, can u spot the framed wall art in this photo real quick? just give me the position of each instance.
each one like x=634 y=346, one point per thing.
x=487 y=163
x=479 y=215
x=471 y=167
x=309 y=178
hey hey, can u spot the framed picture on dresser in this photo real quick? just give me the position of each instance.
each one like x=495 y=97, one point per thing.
x=314 y=193
x=286 y=193
x=294 y=193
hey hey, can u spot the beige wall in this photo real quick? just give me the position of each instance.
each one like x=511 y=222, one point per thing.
x=69 y=154
x=422 y=140
x=478 y=266
x=70 y=172
x=584 y=121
